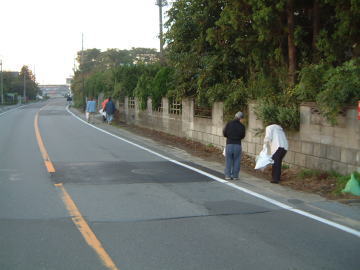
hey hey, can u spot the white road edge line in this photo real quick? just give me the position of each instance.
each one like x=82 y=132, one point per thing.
x=13 y=109
x=255 y=194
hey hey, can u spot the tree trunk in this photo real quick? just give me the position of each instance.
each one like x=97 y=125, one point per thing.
x=316 y=28
x=291 y=43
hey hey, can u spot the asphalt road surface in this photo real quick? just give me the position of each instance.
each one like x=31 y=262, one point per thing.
x=112 y=205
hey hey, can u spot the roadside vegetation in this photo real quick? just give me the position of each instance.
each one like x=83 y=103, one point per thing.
x=338 y=181
x=279 y=53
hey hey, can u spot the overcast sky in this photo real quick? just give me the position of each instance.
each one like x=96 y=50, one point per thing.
x=46 y=34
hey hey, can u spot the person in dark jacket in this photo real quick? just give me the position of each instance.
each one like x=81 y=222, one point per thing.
x=69 y=99
x=234 y=132
x=110 y=110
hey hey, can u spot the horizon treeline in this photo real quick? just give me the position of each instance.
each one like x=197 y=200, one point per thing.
x=13 y=84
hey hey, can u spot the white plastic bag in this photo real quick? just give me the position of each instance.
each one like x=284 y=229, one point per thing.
x=263 y=159
x=224 y=152
x=102 y=112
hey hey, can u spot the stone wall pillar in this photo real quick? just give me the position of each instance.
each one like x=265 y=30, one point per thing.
x=128 y=113
x=252 y=143
x=165 y=113
x=187 y=117
x=218 y=123
x=137 y=110
x=126 y=106
x=165 y=105
x=149 y=105
x=253 y=121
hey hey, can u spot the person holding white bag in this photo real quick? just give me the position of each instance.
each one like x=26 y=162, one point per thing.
x=275 y=138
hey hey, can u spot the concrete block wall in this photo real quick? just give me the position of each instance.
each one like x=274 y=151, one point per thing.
x=317 y=145
x=204 y=130
x=209 y=130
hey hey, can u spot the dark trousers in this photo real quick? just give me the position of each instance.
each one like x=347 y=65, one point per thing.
x=276 y=168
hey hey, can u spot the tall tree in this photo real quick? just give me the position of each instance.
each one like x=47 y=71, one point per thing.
x=316 y=24
x=112 y=58
x=88 y=60
x=194 y=58
x=291 y=42
x=26 y=76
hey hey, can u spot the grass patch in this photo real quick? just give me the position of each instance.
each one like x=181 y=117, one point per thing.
x=285 y=166
x=341 y=181
x=317 y=175
x=308 y=173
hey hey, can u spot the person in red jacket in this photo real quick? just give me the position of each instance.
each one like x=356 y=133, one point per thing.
x=103 y=105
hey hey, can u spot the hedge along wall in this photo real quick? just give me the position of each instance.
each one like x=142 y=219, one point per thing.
x=317 y=145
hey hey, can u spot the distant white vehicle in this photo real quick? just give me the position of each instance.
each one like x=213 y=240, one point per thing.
x=39 y=97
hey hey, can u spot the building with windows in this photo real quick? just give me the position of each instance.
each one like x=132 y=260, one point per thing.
x=54 y=90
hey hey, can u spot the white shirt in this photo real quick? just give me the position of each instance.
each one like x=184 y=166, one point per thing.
x=275 y=136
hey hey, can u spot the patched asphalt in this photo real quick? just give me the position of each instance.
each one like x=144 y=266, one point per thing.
x=123 y=172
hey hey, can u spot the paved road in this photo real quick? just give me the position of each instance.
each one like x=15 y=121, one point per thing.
x=142 y=211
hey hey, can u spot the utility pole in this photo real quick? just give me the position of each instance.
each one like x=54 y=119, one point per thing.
x=82 y=62
x=2 y=84
x=24 y=86
x=161 y=4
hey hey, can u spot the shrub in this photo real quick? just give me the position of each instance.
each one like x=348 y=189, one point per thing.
x=163 y=83
x=332 y=88
x=311 y=82
x=236 y=97
x=142 y=90
x=276 y=111
x=342 y=87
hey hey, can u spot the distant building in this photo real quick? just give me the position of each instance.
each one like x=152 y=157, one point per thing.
x=54 y=90
x=146 y=58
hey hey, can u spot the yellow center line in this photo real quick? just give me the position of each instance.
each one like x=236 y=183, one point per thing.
x=74 y=212
x=49 y=165
x=85 y=230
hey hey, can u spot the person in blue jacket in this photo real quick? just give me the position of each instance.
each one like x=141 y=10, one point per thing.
x=110 y=110
x=90 y=109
